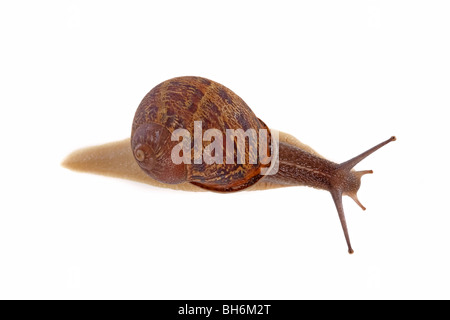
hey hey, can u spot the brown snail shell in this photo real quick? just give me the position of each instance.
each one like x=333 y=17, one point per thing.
x=176 y=104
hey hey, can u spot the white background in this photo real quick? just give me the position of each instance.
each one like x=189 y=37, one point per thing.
x=341 y=76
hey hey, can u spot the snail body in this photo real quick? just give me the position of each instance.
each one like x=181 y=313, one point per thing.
x=180 y=102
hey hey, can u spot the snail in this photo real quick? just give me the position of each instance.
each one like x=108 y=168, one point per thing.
x=185 y=104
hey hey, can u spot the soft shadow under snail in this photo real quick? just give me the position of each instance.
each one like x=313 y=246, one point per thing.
x=176 y=104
